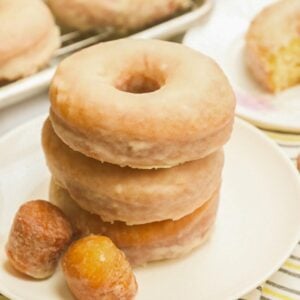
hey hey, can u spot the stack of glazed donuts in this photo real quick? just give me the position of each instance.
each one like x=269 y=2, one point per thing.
x=134 y=144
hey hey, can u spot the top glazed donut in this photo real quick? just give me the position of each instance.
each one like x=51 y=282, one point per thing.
x=28 y=37
x=141 y=103
x=122 y=14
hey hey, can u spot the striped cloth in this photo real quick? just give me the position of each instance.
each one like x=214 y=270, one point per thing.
x=285 y=283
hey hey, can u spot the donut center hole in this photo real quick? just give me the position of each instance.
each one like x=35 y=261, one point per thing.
x=139 y=83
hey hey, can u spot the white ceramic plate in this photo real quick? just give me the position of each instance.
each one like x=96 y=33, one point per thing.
x=257 y=227
x=222 y=38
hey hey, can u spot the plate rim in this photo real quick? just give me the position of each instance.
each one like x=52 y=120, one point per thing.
x=241 y=123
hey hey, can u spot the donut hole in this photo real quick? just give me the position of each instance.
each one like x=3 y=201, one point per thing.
x=139 y=83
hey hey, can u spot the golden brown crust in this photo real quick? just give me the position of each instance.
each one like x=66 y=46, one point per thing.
x=30 y=36
x=124 y=15
x=143 y=243
x=96 y=269
x=273 y=28
x=187 y=118
x=131 y=195
x=39 y=235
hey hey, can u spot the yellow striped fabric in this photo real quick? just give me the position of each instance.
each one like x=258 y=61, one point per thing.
x=286 y=139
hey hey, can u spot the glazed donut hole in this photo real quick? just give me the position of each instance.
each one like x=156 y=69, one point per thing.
x=39 y=235
x=140 y=81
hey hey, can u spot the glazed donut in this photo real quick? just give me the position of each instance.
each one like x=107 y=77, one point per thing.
x=39 y=235
x=123 y=15
x=95 y=269
x=148 y=242
x=130 y=195
x=154 y=104
x=273 y=45
x=29 y=38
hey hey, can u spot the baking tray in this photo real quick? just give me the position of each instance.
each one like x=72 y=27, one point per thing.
x=72 y=41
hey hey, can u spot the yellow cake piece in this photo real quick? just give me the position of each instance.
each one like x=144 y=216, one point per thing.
x=273 y=46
